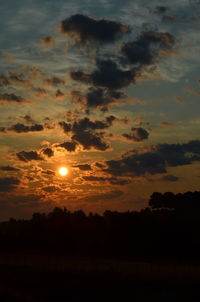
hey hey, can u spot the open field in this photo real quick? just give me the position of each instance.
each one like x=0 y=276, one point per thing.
x=42 y=277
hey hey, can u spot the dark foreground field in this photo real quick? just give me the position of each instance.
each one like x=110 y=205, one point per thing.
x=151 y=255
x=53 y=277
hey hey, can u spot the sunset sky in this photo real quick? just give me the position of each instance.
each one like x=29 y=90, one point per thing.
x=108 y=89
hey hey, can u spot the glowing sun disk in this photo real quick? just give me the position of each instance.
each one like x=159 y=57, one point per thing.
x=63 y=171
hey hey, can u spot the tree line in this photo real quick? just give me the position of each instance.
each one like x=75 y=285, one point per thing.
x=168 y=228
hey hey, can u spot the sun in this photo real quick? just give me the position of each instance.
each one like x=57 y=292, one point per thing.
x=63 y=171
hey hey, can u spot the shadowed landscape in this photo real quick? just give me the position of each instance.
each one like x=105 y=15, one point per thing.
x=149 y=255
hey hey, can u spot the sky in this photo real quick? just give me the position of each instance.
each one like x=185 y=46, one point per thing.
x=108 y=89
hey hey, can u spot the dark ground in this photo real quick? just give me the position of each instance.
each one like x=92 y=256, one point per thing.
x=58 y=278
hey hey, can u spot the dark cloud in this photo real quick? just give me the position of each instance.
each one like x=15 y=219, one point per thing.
x=90 y=140
x=27 y=156
x=110 y=119
x=192 y=147
x=84 y=132
x=108 y=74
x=83 y=167
x=95 y=178
x=111 y=75
x=8 y=168
x=48 y=151
x=21 y=128
x=169 y=177
x=50 y=189
x=137 y=135
x=99 y=165
x=69 y=146
x=85 y=29
x=11 y=97
x=146 y=48
x=156 y=160
x=8 y=184
x=137 y=165
x=175 y=154
x=86 y=123
x=65 y=126
x=98 y=97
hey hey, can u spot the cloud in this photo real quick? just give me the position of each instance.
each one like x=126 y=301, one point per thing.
x=83 y=133
x=98 y=97
x=8 y=168
x=54 y=81
x=69 y=146
x=27 y=156
x=86 y=124
x=155 y=161
x=48 y=172
x=65 y=126
x=169 y=177
x=4 y=81
x=85 y=29
x=146 y=48
x=11 y=97
x=8 y=184
x=18 y=78
x=124 y=69
x=51 y=189
x=21 y=128
x=111 y=180
x=83 y=167
x=107 y=74
x=137 y=135
x=48 y=151
x=90 y=140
